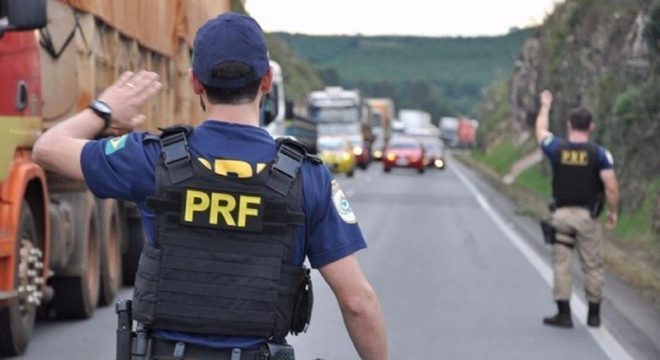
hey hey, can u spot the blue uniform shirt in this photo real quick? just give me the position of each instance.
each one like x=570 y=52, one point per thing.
x=550 y=147
x=124 y=168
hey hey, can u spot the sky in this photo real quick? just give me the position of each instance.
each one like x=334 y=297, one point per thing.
x=398 y=17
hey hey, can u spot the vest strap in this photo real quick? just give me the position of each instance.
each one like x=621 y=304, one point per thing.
x=176 y=155
x=285 y=168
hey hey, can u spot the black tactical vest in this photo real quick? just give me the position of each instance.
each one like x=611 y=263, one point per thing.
x=576 y=176
x=222 y=264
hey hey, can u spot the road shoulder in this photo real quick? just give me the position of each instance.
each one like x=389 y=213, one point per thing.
x=632 y=319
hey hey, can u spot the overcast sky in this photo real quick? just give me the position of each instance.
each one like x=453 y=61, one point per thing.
x=400 y=17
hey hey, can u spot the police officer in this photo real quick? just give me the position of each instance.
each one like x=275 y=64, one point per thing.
x=229 y=213
x=583 y=178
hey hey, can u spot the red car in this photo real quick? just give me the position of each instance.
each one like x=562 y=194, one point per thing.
x=361 y=152
x=405 y=153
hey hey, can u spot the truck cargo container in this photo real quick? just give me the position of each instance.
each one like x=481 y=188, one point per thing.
x=62 y=250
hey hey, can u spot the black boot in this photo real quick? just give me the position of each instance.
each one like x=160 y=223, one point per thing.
x=563 y=317
x=593 y=318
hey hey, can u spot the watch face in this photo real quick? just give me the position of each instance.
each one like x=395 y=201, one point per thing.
x=101 y=106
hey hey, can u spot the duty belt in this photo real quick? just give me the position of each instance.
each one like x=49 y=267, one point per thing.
x=166 y=350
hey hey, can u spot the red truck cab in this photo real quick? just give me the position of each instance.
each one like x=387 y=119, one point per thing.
x=24 y=221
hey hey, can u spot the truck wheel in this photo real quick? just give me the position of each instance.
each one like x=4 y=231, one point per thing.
x=76 y=296
x=111 y=235
x=420 y=170
x=386 y=169
x=131 y=257
x=350 y=172
x=17 y=318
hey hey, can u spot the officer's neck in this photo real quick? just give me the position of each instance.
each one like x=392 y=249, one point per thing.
x=244 y=114
x=578 y=136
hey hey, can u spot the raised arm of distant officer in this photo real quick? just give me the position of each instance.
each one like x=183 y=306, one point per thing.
x=543 y=117
x=58 y=149
x=359 y=306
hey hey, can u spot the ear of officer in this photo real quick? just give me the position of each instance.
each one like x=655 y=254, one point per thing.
x=234 y=113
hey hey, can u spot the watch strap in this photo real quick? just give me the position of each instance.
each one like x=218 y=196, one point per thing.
x=106 y=117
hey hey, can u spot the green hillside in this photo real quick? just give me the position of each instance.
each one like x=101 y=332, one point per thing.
x=442 y=75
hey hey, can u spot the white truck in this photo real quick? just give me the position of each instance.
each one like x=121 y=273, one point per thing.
x=414 y=119
x=277 y=115
x=341 y=112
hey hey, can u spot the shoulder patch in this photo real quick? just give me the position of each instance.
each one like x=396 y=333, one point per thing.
x=548 y=139
x=608 y=156
x=342 y=205
x=115 y=144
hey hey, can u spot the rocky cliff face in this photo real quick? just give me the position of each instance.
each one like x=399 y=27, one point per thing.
x=601 y=54
x=581 y=44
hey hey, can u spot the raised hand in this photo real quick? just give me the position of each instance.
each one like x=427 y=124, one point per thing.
x=546 y=98
x=127 y=95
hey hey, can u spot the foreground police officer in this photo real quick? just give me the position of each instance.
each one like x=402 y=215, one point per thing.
x=583 y=175
x=229 y=213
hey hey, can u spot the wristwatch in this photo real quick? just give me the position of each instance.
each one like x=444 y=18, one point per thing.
x=102 y=110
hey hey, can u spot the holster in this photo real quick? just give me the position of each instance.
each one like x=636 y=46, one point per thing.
x=280 y=352
x=124 y=329
x=549 y=232
x=596 y=206
x=302 y=312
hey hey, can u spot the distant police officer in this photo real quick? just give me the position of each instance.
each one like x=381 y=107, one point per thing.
x=583 y=177
x=229 y=213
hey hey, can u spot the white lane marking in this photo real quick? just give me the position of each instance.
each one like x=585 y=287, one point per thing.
x=601 y=335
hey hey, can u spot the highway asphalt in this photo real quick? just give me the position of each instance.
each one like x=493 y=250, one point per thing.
x=459 y=274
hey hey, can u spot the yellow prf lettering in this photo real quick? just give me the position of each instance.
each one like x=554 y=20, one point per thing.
x=240 y=168
x=221 y=209
x=195 y=201
x=574 y=157
x=244 y=211
x=229 y=204
x=583 y=160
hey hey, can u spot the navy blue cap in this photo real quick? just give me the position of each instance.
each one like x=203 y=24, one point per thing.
x=230 y=37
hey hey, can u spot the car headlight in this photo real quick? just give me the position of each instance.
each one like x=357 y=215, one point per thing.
x=378 y=154
x=439 y=163
x=391 y=156
x=357 y=151
x=346 y=156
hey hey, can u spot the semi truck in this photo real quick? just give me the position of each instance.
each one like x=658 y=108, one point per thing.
x=458 y=132
x=466 y=133
x=382 y=111
x=341 y=112
x=448 y=130
x=62 y=251
x=414 y=119
x=278 y=118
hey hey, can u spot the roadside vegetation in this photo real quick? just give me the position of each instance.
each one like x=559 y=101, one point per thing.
x=604 y=55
